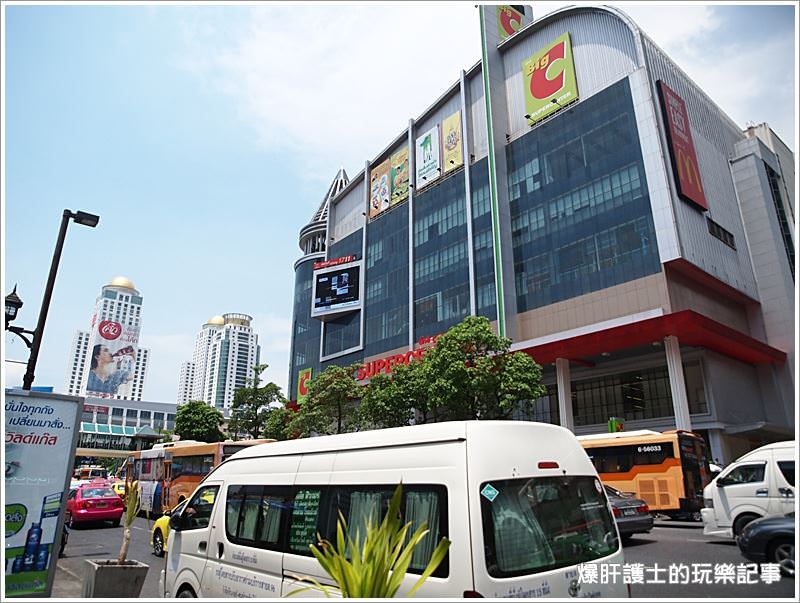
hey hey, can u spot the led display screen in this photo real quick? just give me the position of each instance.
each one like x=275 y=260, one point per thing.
x=337 y=290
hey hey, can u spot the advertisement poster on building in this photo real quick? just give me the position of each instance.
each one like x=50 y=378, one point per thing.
x=112 y=359
x=451 y=131
x=41 y=435
x=379 y=195
x=549 y=79
x=399 y=163
x=509 y=21
x=681 y=146
x=303 y=379
x=427 y=157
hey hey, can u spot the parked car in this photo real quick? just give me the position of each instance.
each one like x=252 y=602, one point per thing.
x=93 y=502
x=119 y=489
x=770 y=540
x=758 y=484
x=160 y=532
x=631 y=514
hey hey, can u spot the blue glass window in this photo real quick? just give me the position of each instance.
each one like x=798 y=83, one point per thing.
x=580 y=211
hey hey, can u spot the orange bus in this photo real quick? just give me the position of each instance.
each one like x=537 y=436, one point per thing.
x=169 y=472
x=667 y=470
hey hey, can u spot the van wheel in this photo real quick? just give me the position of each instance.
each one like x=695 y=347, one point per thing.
x=186 y=593
x=741 y=522
x=158 y=544
x=782 y=552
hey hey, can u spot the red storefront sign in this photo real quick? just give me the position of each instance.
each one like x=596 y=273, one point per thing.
x=681 y=147
x=384 y=365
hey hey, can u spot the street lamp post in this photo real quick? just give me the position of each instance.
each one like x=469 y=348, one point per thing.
x=13 y=303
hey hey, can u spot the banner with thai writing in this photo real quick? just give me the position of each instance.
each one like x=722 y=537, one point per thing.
x=451 y=132
x=427 y=157
x=379 y=195
x=39 y=454
x=399 y=163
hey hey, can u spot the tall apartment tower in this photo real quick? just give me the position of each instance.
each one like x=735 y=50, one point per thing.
x=115 y=324
x=225 y=351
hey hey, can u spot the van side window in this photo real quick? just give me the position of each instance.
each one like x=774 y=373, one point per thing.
x=787 y=469
x=421 y=503
x=198 y=509
x=254 y=515
x=747 y=474
x=303 y=527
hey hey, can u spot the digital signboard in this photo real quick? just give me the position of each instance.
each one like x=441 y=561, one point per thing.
x=337 y=290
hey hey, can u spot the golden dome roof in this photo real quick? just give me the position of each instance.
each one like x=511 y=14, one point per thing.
x=121 y=281
x=216 y=320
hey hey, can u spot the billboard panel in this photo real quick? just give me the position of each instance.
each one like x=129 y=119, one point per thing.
x=549 y=79
x=427 y=157
x=379 y=194
x=41 y=434
x=337 y=290
x=112 y=352
x=399 y=162
x=451 y=132
x=302 y=384
x=681 y=147
x=509 y=20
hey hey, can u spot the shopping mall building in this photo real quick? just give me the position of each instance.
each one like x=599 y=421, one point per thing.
x=578 y=189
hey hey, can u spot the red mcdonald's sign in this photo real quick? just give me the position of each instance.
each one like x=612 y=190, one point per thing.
x=681 y=147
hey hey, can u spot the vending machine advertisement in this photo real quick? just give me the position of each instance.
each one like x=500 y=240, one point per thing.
x=41 y=432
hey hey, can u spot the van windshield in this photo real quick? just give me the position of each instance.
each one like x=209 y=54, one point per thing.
x=532 y=525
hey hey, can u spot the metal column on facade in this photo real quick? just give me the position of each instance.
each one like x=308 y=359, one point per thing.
x=564 y=394
x=412 y=166
x=465 y=144
x=677 y=383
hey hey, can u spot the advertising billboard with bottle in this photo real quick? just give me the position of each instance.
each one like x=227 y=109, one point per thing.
x=41 y=435
x=112 y=354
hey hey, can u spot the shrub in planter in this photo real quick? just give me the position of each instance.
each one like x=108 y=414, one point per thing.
x=110 y=579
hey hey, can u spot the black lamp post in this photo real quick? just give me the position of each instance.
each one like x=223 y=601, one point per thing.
x=14 y=303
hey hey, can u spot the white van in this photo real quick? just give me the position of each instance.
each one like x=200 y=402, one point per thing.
x=520 y=502
x=758 y=484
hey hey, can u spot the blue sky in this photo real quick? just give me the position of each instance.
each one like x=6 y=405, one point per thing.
x=205 y=137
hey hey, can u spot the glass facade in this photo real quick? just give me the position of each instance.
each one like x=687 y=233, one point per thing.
x=632 y=395
x=580 y=209
x=482 y=241
x=345 y=332
x=305 y=330
x=441 y=270
x=386 y=303
x=783 y=222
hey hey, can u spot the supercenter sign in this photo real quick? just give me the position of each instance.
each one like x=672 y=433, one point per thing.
x=549 y=79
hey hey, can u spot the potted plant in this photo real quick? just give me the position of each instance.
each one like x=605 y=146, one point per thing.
x=109 y=578
x=375 y=568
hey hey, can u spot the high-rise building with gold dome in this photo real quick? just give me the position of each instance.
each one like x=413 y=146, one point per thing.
x=225 y=351
x=114 y=329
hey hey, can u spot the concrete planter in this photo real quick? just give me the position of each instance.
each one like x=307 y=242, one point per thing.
x=107 y=580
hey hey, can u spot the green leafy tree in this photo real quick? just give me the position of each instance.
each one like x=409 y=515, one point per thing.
x=276 y=423
x=196 y=420
x=252 y=404
x=331 y=404
x=391 y=400
x=474 y=376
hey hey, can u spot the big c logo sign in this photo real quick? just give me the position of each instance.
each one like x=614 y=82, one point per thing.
x=549 y=79
x=109 y=329
x=509 y=20
x=302 y=385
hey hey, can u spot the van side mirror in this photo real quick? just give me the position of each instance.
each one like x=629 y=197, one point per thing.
x=175 y=522
x=722 y=482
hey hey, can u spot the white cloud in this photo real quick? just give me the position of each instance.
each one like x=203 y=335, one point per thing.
x=342 y=93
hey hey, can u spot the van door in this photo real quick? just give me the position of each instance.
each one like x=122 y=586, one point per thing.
x=742 y=489
x=245 y=557
x=782 y=497
x=188 y=548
